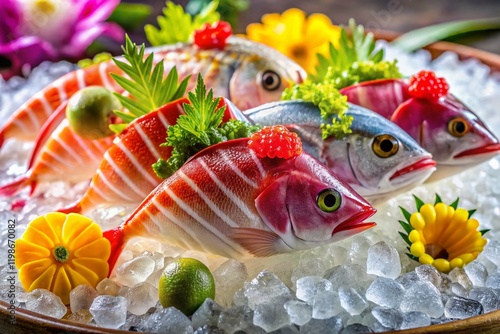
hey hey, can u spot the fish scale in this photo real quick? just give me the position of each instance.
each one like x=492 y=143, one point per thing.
x=209 y=205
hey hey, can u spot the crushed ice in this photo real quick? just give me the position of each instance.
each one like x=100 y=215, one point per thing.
x=365 y=283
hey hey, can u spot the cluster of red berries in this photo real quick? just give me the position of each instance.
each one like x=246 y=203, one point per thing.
x=213 y=36
x=275 y=141
x=426 y=85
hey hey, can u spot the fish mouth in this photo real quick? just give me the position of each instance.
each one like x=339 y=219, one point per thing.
x=353 y=223
x=417 y=166
x=488 y=149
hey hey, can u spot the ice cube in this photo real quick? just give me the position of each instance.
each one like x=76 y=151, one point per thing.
x=414 y=320
x=487 y=297
x=423 y=297
x=352 y=301
x=235 y=318
x=266 y=287
x=229 y=277
x=82 y=317
x=477 y=273
x=299 y=312
x=135 y=271
x=359 y=248
x=349 y=275
x=9 y=292
x=326 y=305
x=492 y=251
x=459 y=290
x=135 y=323
x=388 y=317
x=207 y=314
x=430 y=274
x=356 y=329
x=493 y=281
x=308 y=287
x=45 y=302
x=286 y=330
x=314 y=326
x=271 y=316
x=458 y=275
x=206 y=329
x=308 y=267
x=461 y=308
x=383 y=260
x=108 y=287
x=239 y=298
x=408 y=279
x=109 y=311
x=169 y=320
x=81 y=297
x=141 y=297
x=385 y=292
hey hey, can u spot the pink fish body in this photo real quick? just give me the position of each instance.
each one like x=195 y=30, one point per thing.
x=228 y=201
x=446 y=128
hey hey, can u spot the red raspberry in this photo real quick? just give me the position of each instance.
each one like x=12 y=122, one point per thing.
x=427 y=86
x=213 y=36
x=275 y=141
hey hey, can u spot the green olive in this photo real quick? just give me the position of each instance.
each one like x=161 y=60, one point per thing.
x=90 y=111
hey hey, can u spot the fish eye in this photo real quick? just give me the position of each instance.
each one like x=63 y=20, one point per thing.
x=458 y=127
x=270 y=80
x=385 y=146
x=329 y=200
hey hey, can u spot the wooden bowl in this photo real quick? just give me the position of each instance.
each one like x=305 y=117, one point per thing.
x=31 y=322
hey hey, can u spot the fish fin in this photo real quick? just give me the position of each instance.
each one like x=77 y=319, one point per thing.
x=115 y=237
x=48 y=127
x=260 y=243
x=12 y=188
x=72 y=208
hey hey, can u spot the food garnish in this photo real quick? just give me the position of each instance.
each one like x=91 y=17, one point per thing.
x=329 y=101
x=212 y=36
x=441 y=235
x=185 y=24
x=275 y=141
x=426 y=85
x=354 y=60
x=58 y=252
x=198 y=129
x=146 y=85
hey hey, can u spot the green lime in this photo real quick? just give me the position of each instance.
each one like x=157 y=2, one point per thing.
x=90 y=111
x=185 y=284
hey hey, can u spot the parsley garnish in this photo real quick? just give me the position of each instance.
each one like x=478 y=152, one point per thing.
x=330 y=103
x=177 y=26
x=198 y=129
x=146 y=85
x=355 y=60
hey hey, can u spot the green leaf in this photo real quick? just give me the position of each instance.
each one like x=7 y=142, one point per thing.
x=454 y=205
x=414 y=258
x=483 y=232
x=422 y=37
x=418 y=202
x=406 y=214
x=130 y=15
x=228 y=9
x=438 y=200
x=471 y=212
x=118 y=128
x=405 y=238
x=407 y=227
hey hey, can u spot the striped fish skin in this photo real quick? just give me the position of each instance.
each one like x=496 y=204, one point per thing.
x=428 y=122
x=237 y=72
x=353 y=157
x=228 y=201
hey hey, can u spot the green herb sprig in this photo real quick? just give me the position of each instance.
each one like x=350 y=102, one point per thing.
x=146 y=85
x=199 y=128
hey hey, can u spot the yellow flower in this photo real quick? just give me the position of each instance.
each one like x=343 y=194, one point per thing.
x=58 y=252
x=441 y=235
x=296 y=36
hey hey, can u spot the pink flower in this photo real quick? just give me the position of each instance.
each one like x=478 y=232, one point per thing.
x=32 y=31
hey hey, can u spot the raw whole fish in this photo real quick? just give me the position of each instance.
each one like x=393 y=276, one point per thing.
x=227 y=201
x=449 y=130
x=378 y=159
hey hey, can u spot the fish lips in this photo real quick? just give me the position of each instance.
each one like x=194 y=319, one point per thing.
x=354 y=224
x=483 y=151
x=419 y=166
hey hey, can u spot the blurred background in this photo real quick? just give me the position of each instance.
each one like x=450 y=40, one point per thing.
x=377 y=15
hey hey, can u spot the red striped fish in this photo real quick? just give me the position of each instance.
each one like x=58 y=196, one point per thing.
x=247 y=72
x=125 y=175
x=228 y=201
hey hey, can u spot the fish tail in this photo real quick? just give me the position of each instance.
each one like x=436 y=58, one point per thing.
x=12 y=188
x=75 y=207
x=116 y=239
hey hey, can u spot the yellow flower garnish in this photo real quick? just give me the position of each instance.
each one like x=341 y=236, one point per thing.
x=296 y=36
x=58 y=252
x=441 y=235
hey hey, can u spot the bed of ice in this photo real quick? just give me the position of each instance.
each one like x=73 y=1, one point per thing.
x=362 y=284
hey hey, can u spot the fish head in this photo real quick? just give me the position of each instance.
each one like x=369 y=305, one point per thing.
x=455 y=136
x=379 y=159
x=307 y=205
x=261 y=73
